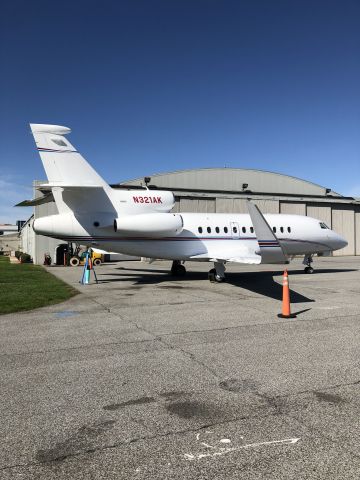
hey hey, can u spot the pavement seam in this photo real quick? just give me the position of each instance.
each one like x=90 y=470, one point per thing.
x=160 y=335
x=81 y=347
x=279 y=322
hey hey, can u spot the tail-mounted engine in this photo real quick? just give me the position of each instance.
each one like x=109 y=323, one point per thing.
x=149 y=225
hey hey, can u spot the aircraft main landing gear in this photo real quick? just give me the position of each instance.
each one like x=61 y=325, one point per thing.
x=217 y=274
x=178 y=269
x=308 y=261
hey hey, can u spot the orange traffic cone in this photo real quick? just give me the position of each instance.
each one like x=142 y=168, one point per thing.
x=286 y=313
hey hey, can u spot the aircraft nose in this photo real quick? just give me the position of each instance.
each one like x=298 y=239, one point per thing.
x=343 y=243
x=340 y=242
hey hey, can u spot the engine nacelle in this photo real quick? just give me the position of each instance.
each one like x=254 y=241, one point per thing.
x=149 y=225
x=52 y=225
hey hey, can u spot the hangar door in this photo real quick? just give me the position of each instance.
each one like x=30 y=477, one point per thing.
x=343 y=222
x=321 y=212
x=293 y=208
x=231 y=205
x=239 y=205
x=197 y=205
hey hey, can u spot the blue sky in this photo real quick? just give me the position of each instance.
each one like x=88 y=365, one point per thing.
x=152 y=86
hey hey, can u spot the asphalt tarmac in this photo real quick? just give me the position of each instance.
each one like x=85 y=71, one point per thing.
x=145 y=376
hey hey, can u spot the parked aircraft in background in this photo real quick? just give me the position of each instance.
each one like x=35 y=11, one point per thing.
x=140 y=222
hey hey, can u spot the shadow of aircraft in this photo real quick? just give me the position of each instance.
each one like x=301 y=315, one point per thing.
x=263 y=283
x=259 y=282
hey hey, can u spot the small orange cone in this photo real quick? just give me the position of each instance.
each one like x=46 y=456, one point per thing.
x=286 y=313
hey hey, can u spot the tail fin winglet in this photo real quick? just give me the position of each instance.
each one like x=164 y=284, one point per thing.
x=43 y=128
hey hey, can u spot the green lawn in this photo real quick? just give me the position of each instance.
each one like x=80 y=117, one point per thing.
x=26 y=286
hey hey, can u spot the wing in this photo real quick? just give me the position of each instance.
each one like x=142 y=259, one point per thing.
x=242 y=254
x=270 y=248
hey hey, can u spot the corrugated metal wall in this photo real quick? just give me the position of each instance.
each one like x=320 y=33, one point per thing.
x=45 y=244
x=231 y=205
x=293 y=208
x=268 y=206
x=343 y=222
x=321 y=212
x=357 y=231
x=206 y=205
x=238 y=205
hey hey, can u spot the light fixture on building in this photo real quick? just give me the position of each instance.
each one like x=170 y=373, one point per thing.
x=245 y=186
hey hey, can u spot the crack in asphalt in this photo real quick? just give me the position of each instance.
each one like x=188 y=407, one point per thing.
x=320 y=433
x=330 y=387
x=131 y=441
x=192 y=357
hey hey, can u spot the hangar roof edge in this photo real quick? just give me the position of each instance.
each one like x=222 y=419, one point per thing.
x=232 y=179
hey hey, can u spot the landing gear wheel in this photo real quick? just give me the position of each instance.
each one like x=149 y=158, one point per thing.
x=178 y=270
x=97 y=262
x=215 y=277
x=308 y=270
x=74 y=261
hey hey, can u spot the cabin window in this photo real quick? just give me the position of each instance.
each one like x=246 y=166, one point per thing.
x=323 y=225
x=225 y=230
x=289 y=229
x=244 y=229
x=96 y=224
x=208 y=229
x=217 y=229
x=282 y=229
x=274 y=229
x=200 y=229
x=252 y=229
x=234 y=229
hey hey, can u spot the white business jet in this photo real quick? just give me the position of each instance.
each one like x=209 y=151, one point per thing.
x=140 y=222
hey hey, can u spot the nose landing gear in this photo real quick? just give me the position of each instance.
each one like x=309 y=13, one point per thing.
x=217 y=274
x=308 y=261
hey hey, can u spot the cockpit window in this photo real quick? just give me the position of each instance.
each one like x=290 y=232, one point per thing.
x=324 y=226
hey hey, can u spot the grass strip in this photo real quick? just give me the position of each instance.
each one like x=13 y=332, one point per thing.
x=26 y=286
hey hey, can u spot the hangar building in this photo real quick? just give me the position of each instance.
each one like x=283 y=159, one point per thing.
x=225 y=190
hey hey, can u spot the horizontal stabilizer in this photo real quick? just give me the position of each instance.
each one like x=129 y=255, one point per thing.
x=67 y=185
x=37 y=201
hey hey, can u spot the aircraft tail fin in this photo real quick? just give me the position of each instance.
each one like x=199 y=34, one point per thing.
x=63 y=164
